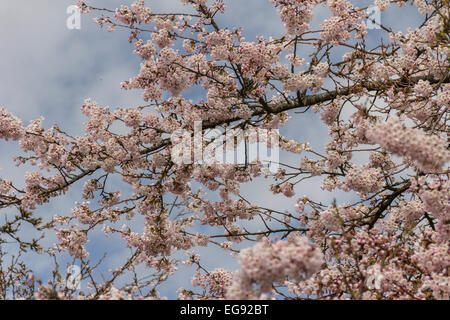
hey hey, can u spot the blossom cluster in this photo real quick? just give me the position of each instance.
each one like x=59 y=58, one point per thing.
x=73 y=240
x=296 y=15
x=268 y=263
x=364 y=180
x=429 y=152
x=217 y=281
x=10 y=126
x=419 y=268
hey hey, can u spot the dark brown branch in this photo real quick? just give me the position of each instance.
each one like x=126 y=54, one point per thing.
x=386 y=203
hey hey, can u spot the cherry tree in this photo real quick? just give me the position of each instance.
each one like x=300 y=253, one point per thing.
x=385 y=107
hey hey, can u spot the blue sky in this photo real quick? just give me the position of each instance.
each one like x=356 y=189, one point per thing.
x=48 y=70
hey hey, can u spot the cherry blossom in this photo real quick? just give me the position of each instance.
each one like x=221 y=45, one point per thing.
x=376 y=203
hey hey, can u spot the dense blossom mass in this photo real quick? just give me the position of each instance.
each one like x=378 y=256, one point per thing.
x=385 y=110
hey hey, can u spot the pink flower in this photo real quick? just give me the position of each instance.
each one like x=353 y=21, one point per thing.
x=267 y=263
x=429 y=152
x=10 y=126
x=288 y=189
